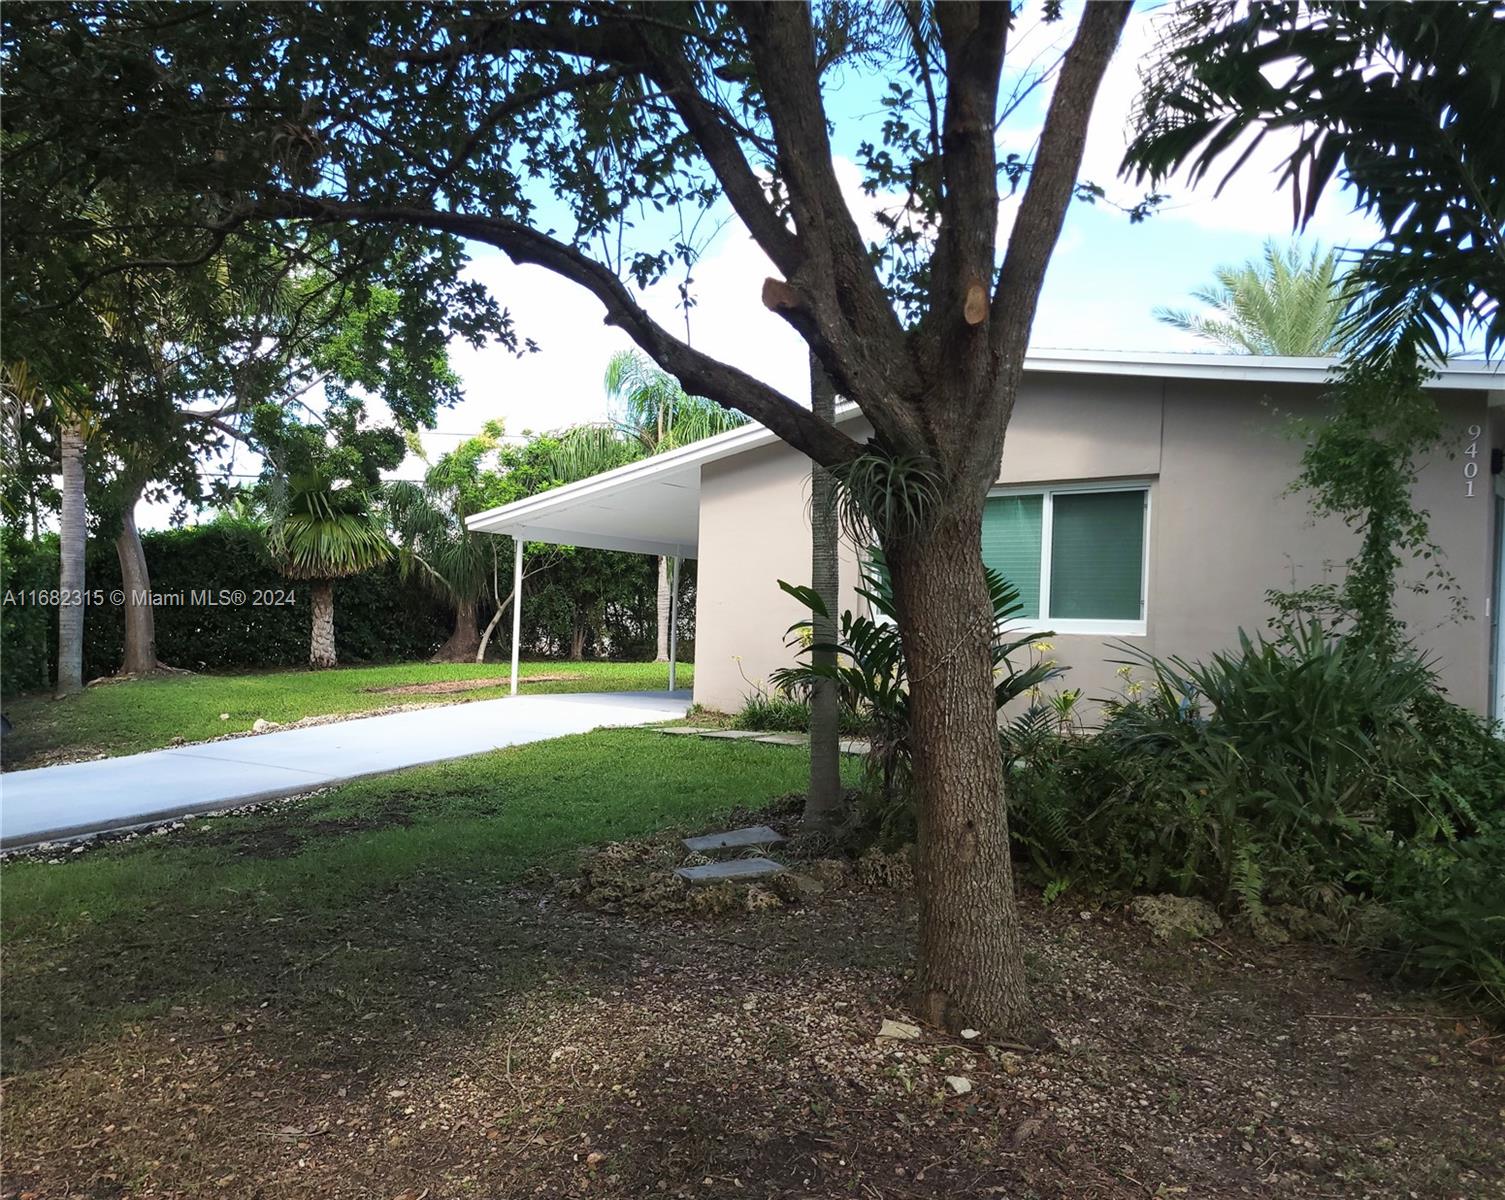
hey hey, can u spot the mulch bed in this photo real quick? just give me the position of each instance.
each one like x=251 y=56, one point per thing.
x=668 y=1056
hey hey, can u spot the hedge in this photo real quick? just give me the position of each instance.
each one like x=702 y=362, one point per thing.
x=379 y=617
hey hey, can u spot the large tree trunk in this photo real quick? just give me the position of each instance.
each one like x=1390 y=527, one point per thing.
x=578 y=631
x=465 y=641
x=321 y=640
x=823 y=803
x=71 y=543
x=664 y=608
x=971 y=966
x=140 y=657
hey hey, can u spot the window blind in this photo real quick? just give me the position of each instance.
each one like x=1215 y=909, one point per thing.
x=1097 y=555
x=1011 y=529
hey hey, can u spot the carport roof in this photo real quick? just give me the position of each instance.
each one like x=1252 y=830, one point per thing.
x=653 y=506
x=650 y=507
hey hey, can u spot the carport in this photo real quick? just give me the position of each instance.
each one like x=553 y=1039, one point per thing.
x=647 y=507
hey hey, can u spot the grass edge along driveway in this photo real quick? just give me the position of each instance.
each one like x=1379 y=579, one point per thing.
x=136 y=715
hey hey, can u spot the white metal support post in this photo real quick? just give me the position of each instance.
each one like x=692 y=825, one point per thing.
x=673 y=620
x=517 y=604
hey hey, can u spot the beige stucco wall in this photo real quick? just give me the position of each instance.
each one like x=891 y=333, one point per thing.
x=1222 y=531
x=754 y=531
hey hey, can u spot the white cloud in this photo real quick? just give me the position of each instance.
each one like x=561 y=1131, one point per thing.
x=1252 y=202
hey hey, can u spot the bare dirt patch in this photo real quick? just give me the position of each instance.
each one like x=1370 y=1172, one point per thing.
x=526 y=1047
x=445 y=687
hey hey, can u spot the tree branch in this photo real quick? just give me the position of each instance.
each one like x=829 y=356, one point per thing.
x=862 y=343
x=696 y=371
x=974 y=38
x=1052 y=180
x=622 y=41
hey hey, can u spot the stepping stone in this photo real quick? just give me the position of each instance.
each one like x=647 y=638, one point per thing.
x=753 y=835
x=856 y=746
x=737 y=868
x=732 y=735
x=689 y=730
x=784 y=739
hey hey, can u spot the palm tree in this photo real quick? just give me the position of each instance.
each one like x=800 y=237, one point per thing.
x=823 y=801
x=25 y=399
x=1286 y=302
x=319 y=532
x=453 y=561
x=71 y=535
x=650 y=413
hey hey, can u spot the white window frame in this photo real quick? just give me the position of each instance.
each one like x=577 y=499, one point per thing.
x=1082 y=625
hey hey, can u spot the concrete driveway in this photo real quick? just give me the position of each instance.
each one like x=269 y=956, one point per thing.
x=77 y=799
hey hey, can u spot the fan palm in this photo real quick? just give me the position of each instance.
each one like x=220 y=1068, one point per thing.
x=649 y=414
x=319 y=532
x=1286 y=302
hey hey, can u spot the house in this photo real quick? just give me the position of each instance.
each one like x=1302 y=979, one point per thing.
x=1141 y=499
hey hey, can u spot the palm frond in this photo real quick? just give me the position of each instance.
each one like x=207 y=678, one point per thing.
x=1287 y=302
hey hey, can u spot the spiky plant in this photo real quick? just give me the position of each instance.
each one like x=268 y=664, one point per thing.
x=1287 y=302
x=451 y=560
x=319 y=532
x=867 y=662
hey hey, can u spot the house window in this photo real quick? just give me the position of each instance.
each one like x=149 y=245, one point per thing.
x=1076 y=555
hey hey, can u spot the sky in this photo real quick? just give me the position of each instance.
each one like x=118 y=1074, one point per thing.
x=1105 y=280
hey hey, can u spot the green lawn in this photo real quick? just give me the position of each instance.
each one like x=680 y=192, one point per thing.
x=351 y=902
x=136 y=715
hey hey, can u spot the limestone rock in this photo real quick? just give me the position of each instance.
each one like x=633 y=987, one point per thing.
x=1173 y=919
x=797 y=888
x=830 y=872
x=757 y=899
x=895 y=870
x=902 y=1031
x=715 y=900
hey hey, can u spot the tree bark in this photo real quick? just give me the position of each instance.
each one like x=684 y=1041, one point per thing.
x=823 y=802
x=664 y=609
x=321 y=651
x=465 y=640
x=496 y=617
x=971 y=965
x=140 y=657
x=71 y=543
x=577 y=641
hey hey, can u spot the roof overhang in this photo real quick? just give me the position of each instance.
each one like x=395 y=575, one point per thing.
x=653 y=506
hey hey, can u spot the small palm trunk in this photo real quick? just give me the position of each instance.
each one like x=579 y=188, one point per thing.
x=321 y=641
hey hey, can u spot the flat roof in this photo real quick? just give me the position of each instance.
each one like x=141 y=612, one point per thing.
x=653 y=506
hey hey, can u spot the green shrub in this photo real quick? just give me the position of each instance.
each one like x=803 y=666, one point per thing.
x=27 y=632
x=1301 y=771
x=1449 y=904
x=781 y=713
x=379 y=616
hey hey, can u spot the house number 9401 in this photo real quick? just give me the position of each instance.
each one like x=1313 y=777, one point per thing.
x=1471 y=459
